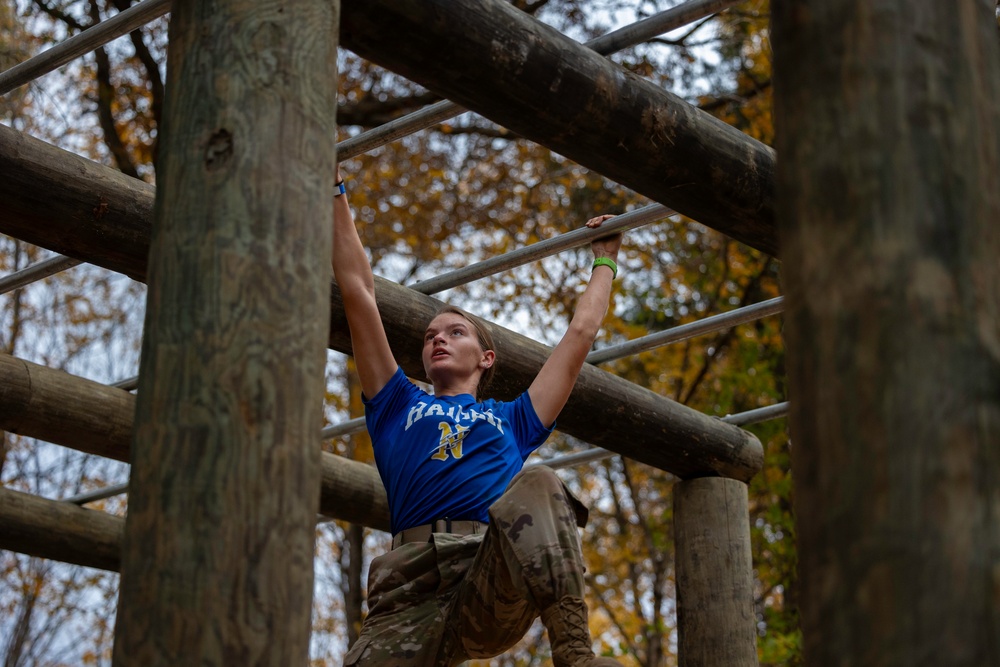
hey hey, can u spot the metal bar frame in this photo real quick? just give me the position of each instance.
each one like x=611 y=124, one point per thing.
x=597 y=453
x=148 y=10
x=82 y=43
x=671 y=19
x=37 y=271
x=690 y=330
x=578 y=237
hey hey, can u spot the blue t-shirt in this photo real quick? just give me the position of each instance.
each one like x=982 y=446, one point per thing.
x=448 y=456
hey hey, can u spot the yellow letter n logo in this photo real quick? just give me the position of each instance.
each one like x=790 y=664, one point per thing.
x=451 y=441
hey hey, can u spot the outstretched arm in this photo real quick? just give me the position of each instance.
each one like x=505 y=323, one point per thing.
x=353 y=273
x=551 y=388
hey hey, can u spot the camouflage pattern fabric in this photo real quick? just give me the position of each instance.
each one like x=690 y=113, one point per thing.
x=461 y=597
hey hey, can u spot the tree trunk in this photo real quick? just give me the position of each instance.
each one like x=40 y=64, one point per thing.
x=889 y=202
x=359 y=448
x=218 y=550
x=355 y=584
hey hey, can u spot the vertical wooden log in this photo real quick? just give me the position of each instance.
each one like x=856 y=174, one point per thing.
x=716 y=622
x=218 y=554
x=887 y=117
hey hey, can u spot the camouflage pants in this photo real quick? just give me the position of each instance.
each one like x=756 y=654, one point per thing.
x=461 y=597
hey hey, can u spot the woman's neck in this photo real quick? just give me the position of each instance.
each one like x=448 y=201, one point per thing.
x=456 y=388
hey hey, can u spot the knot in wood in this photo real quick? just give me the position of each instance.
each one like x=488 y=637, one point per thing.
x=219 y=150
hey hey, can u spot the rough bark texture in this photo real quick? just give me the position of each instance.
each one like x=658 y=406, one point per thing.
x=57 y=407
x=90 y=212
x=496 y=60
x=887 y=116
x=61 y=531
x=218 y=550
x=716 y=620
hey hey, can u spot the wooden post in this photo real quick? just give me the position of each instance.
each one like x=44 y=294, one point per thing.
x=888 y=128
x=218 y=553
x=716 y=622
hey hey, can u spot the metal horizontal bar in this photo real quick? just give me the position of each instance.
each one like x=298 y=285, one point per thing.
x=128 y=384
x=658 y=24
x=577 y=237
x=35 y=272
x=98 y=494
x=82 y=43
x=397 y=129
x=689 y=330
x=614 y=41
x=574 y=459
x=759 y=415
x=349 y=427
x=597 y=453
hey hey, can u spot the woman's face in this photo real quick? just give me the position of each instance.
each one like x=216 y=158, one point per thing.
x=451 y=349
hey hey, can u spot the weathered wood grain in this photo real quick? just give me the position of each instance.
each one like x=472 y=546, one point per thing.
x=888 y=125
x=60 y=531
x=217 y=559
x=716 y=616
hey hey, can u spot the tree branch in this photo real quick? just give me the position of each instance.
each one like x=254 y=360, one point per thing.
x=60 y=15
x=152 y=69
x=105 y=100
x=723 y=338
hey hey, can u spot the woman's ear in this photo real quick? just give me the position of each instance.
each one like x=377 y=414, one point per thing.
x=489 y=356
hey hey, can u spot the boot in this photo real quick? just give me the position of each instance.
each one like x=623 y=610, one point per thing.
x=569 y=635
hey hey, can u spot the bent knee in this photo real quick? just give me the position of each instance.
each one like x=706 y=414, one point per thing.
x=536 y=488
x=531 y=490
x=536 y=477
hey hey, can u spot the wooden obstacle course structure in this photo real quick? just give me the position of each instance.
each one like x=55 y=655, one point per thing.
x=716 y=175
x=118 y=238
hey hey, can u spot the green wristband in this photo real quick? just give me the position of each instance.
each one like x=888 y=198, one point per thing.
x=606 y=261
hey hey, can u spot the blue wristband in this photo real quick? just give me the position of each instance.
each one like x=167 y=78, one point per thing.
x=340 y=186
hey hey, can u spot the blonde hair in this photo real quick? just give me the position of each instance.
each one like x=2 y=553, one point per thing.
x=485 y=343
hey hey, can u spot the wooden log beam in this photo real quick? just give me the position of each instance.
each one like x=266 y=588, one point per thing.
x=72 y=534
x=82 y=209
x=81 y=414
x=64 y=409
x=60 y=531
x=498 y=61
x=888 y=126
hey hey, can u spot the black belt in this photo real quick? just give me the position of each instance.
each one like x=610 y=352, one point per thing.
x=423 y=533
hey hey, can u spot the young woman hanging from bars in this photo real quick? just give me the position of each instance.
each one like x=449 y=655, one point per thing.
x=480 y=548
